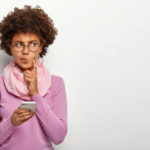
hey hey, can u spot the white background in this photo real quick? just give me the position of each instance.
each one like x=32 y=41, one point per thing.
x=102 y=51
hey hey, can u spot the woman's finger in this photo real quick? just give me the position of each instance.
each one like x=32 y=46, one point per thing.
x=25 y=114
x=20 y=111
x=25 y=117
x=28 y=72
x=28 y=79
x=28 y=75
x=34 y=66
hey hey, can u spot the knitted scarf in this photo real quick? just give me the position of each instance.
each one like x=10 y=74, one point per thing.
x=16 y=84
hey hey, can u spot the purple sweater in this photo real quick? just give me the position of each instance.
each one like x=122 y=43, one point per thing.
x=49 y=124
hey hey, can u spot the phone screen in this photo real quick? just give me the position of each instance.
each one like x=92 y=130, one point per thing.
x=28 y=105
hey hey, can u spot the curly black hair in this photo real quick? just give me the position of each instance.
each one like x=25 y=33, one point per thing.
x=28 y=19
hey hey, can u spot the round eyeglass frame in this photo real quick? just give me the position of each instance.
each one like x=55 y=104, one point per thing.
x=39 y=45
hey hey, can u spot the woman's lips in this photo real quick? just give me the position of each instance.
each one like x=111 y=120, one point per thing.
x=24 y=60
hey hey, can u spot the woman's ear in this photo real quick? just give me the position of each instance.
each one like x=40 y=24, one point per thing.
x=40 y=50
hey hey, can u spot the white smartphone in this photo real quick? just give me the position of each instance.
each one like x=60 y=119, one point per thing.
x=28 y=105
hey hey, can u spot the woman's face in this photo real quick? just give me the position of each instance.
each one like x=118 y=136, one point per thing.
x=23 y=56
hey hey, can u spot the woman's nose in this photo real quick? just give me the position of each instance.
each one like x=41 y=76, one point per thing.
x=26 y=49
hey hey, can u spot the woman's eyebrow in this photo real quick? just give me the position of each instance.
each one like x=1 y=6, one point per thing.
x=18 y=41
x=28 y=41
x=32 y=41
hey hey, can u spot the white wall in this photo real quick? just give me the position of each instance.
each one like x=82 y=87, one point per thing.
x=103 y=53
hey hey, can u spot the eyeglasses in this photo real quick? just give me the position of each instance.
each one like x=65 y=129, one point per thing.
x=32 y=46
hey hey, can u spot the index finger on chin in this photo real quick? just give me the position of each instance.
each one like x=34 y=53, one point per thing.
x=34 y=65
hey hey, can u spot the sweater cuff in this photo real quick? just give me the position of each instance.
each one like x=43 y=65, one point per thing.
x=36 y=96
x=9 y=124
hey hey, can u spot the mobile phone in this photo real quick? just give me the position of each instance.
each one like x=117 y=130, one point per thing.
x=28 y=105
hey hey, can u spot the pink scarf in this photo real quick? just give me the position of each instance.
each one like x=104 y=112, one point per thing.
x=15 y=83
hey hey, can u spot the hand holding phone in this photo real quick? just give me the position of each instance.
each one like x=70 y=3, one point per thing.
x=30 y=105
x=22 y=113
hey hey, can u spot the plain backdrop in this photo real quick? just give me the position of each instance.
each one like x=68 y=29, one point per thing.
x=102 y=51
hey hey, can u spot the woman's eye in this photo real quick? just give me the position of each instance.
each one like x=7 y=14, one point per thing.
x=18 y=44
x=33 y=44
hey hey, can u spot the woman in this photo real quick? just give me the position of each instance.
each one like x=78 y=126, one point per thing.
x=26 y=34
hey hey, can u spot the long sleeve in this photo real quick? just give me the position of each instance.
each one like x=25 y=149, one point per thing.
x=6 y=128
x=53 y=120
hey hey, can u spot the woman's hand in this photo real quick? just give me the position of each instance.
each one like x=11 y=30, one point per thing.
x=20 y=116
x=31 y=78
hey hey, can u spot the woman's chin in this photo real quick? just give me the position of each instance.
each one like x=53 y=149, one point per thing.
x=24 y=67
